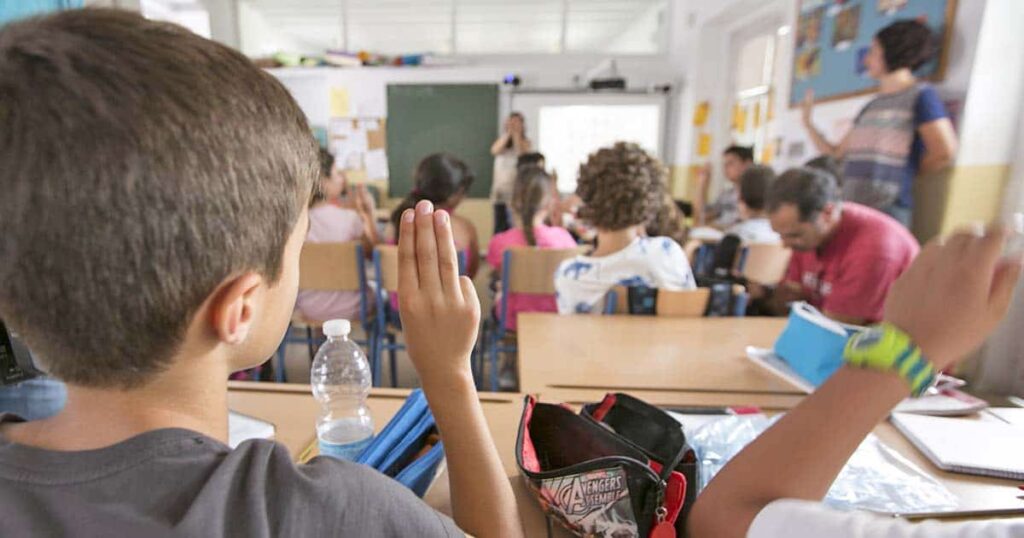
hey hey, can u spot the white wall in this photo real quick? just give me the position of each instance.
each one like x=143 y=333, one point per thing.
x=993 y=106
x=367 y=87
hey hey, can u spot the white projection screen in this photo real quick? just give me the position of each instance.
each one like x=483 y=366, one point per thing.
x=567 y=128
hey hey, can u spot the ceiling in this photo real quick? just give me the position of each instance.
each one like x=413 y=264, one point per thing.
x=459 y=26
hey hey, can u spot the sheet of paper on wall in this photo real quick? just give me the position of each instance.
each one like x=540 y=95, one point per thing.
x=376 y=164
x=700 y=114
x=341 y=126
x=371 y=125
x=740 y=119
x=357 y=140
x=703 y=145
x=339 y=102
x=376 y=138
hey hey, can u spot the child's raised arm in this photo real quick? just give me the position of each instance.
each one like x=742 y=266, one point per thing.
x=947 y=302
x=440 y=313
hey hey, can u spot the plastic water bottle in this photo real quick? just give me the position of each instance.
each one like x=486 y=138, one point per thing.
x=341 y=381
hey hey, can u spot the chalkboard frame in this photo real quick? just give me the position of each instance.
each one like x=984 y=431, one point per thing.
x=940 y=69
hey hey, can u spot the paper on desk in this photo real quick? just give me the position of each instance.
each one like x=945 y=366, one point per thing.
x=876 y=478
x=241 y=428
x=706 y=234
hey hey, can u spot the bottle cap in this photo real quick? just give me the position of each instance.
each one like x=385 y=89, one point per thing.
x=337 y=327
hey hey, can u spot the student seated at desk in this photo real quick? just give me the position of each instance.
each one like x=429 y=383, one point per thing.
x=530 y=199
x=329 y=223
x=772 y=488
x=158 y=254
x=754 y=226
x=621 y=188
x=724 y=211
x=443 y=180
x=845 y=255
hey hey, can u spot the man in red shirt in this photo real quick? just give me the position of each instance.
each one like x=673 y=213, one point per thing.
x=845 y=255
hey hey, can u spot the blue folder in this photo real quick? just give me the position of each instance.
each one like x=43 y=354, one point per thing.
x=812 y=344
x=394 y=451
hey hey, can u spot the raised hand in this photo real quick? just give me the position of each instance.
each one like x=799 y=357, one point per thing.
x=440 y=311
x=954 y=294
x=807 y=106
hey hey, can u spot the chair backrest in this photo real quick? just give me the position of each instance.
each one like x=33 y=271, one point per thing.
x=678 y=304
x=683 y=304
x=330 y=266
x=388 y=256
x=726 y=254
x=532 y=269
x=766 y=263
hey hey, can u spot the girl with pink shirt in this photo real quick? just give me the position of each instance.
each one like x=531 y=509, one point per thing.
x=329 y=223
x=530 y=200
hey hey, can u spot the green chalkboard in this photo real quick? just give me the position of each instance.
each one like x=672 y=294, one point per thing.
x=461 y=119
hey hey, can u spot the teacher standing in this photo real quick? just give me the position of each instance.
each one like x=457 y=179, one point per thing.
x=903 y=131
x=506 y=150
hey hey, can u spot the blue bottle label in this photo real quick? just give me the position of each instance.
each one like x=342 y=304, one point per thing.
x=344 y=451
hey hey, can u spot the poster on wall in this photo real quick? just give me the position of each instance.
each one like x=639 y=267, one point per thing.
x=832 y=39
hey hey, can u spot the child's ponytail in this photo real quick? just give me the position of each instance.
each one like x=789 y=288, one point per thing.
x=530 y=195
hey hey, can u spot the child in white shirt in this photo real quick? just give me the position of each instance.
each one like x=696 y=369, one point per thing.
x=621 y=188
x=754 y=226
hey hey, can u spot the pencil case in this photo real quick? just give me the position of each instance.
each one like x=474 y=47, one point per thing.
x=812 y=344
x=408 y=449
x=619 y=468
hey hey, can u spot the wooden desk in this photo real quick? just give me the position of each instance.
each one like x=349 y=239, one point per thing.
x=293 y=411
x=980 y=497
x=629 y=353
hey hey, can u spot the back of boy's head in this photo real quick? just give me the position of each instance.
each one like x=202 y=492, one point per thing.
x=142 y=166
x=438 y=178
x=620 y=186
x=743 y=153
x=533 y=158
x=754 y=185
x=529 y=195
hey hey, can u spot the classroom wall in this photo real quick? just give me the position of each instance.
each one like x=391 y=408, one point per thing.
x=989 y=129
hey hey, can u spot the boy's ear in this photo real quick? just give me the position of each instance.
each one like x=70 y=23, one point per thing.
x=234 y=307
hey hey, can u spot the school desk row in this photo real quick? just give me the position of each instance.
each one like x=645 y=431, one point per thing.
x=293 y=411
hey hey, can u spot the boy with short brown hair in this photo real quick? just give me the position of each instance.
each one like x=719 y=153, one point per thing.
x=155 y=187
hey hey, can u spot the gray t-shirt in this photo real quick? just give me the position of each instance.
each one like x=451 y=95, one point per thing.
x=176 y=482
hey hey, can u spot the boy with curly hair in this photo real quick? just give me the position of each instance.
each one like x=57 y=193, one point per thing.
x=621 y=188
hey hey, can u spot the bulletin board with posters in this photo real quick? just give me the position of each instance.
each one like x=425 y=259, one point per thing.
x=833 y=37
x=358 y=146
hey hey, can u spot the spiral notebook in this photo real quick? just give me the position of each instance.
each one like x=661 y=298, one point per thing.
x=966 y=446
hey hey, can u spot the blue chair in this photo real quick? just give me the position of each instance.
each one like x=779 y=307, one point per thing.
x=330 y=267
x=527 y=270
x=387 y=320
